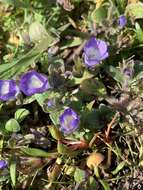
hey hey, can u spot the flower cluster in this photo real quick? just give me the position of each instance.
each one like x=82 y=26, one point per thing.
x=95 y=51
x=30 y=83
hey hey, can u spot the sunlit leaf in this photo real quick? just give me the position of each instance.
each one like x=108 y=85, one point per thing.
x=71 y=43
x=7 y=71
x=139 y=33
x=135 y=10
x=119 y=167
x=79 y=175
x=100 y=14
x=105 y=185
x=21 y=114
x=12 y=125
x=13 y=171
x=37 y=152
x=37 y=32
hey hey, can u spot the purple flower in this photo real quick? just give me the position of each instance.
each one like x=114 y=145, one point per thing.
x=50 y=103
x=95 y=51
x=122 y=21
x=33 y=82
x=3 y=164
x=69 y=121
x=8 y=90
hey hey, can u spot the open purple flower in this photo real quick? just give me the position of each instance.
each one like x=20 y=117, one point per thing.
x=33 y=82
x=122 y=21
x=8 y=90
x=69 y=121
x=95 y=51
x=3 y=164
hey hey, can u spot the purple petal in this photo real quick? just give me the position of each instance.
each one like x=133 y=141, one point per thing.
x=69 y=121
x=90 y=62
x=3 y=164
x=33 y=82
x=102 y=47
x=105 y=56
x=122 y=21
x=92 y=42
x=8 y=90
x=95 y=51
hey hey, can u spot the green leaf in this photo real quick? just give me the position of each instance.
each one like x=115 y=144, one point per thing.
x=41 y=98
x=138 y=72
x=106 y=112
x=115 y=73
x=55 y=133
x=54 y=116
x=79 y=175
x=61 y=148
x=21 y=114
x=118 y=168
x=105 y=184
x=135 y=10
x=91 y=119
x=13 y=172
x=3 y=177
x=89 y=106
x=93 y=86
x=7 y=71
x=139 y=33
x=92 y=184
x=37 y=152
x=28 y=100
x=76 y=41
x=100 y=14
x=16 y=3
x=12 y=125
x=37 y=32
x=76 y=80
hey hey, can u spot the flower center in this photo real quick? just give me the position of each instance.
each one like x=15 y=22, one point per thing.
x=4 y=88
x=94 y=53
x=67 y=121
x=35 y=82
